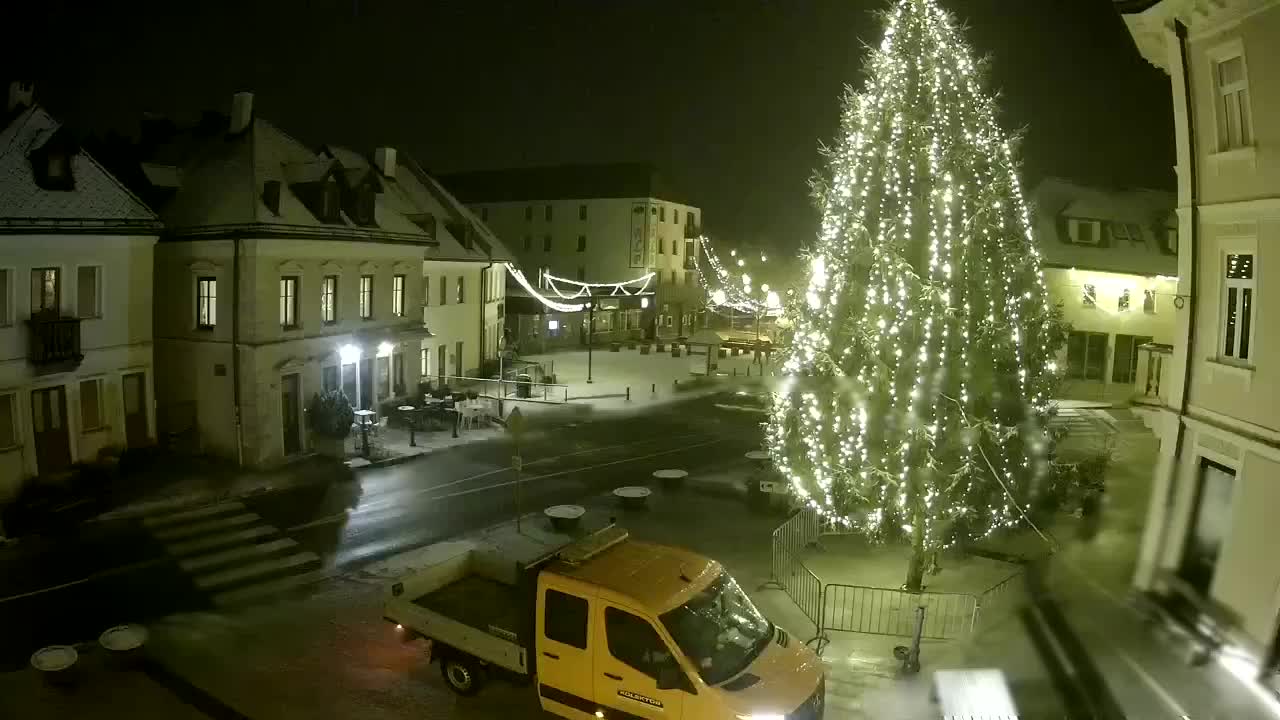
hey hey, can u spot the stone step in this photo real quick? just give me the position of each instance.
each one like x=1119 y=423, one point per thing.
x=188 y=515
x=183 y=532
x=242 y=552
x=212 y=542
x=242 y=573
x=269 y=588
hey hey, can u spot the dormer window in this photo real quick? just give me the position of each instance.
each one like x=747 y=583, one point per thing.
x=330 y=202
x=51 y=163
x=1084 y=232
x=365 y=205
x=58 y=166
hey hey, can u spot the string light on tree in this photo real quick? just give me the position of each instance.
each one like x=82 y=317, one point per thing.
x=726 y=292
x=921 y=355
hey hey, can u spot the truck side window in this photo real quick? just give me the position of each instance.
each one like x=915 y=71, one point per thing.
x=566 y=619
x=633 y=641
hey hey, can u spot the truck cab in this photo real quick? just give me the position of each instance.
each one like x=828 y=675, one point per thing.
x=609 y=627
x=644 y=630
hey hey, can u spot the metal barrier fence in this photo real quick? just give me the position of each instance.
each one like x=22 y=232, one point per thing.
x=547 y=392
x=877 y=611
x=885 y=611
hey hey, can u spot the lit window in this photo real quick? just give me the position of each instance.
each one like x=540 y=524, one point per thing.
x=1149 y=302
x=46 y=290
x=366 y=297
x=397 y=295
x=1235 y=129
x=1237 y=307
x=329 y=299
x=289 y=302
x=206 y=302
x=1122 y=304
x=1090 y=296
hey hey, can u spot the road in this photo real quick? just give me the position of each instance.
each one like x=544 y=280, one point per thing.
x=69 y=589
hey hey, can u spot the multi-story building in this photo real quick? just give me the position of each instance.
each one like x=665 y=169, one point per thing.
x=1110 y=262
x=596 y=224
x=75 y=302
x=283 y=271
x=1211 y=531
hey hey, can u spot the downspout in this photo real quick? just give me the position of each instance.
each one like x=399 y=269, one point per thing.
x=1193 y=241
x=235 y=348
x=484 y=302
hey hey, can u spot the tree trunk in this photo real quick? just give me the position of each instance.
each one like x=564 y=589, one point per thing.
x=915 y=567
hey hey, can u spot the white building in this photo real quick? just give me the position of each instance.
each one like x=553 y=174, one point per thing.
x=594 y=223
x=283 y=271
x=1212 y=527
x=75 y=303
x=1110 y=262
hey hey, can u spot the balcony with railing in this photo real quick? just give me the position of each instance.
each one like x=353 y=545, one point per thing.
x=53 y=342
x=1152 y=381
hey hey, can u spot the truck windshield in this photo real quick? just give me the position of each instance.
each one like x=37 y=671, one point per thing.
x=719 y=630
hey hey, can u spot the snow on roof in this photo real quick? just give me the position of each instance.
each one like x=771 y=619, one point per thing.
x=1150 y=212
x=97 y=197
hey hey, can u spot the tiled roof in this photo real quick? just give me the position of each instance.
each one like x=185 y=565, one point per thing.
x=559 y=182
x=1056 y=199
x=97 y=199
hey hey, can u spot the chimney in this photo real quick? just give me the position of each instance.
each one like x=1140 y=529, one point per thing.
x=241 y=112
x=20 y=94
x=385 y=159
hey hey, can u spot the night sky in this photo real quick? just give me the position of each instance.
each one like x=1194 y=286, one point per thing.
x=729 y=98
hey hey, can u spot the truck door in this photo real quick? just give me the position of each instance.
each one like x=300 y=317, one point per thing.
x=636 y=673
x=564 y=653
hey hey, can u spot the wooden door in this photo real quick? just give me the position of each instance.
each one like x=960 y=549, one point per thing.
x=290 y=416
x=134 y=387
x=49 y=426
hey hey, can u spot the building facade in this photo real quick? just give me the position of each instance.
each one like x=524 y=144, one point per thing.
x=1110 y=262
x=595 y=224
x=1211 y=528
x=75 y=303
x=285 y=271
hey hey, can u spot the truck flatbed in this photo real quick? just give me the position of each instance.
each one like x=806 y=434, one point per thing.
x=475 y=600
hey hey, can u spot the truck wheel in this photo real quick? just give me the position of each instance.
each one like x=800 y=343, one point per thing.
x=463 y=675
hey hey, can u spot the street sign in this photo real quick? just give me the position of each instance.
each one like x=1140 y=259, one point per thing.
x=515 y=422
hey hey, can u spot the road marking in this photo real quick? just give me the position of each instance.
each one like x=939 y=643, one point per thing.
x=183 y=532
x=1152 y=683
x=244 y=572
x=152 y=521
x=336 y=517
x=243 y=552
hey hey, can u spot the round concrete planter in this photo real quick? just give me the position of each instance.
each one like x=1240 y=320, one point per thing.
x=124 y=644
x=57 y=664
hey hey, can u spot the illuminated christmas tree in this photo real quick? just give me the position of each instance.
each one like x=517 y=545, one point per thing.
x=921 y=366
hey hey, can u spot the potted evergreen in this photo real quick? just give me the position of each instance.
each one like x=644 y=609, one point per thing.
x=330 y=416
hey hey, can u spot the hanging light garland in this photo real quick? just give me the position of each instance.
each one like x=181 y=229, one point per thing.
x=577 y=289
x=724 y=290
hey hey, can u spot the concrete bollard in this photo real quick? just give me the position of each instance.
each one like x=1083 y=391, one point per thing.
x=628 y=393
x=654 y=388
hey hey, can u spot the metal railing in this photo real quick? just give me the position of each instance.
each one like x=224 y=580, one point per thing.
x=839 y=607
x=510 y=389
x=886 y=611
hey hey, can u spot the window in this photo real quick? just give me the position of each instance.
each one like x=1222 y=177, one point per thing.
x=289 y=302
x=688 y=254
x=91 y=416
x=1089 y=295
x=582 y=243
x=691 y=220
x=6 y=305
x=444 y=290
x=329 y=299
x=1149 y=302
x=1086 y=355
x=397 y=295
x=546 y=243
x=582 y=212
x=383 y=365
x=1210 y=523
x=1127 y=231
x=8 y=428
x=46 y=290
x=1235 y=129
x=484 y=214
x=662 y=213
x=1237 y=307
x=1124 y=367
x=675 y=248
x=426 y=290
x=634 y=642
x=206 y=302
x=89 y=292
x=528 y=213
x=1084 y=232
x=462 y=290
x=366 y=297
x=582 y=274
x=424 y=363
x=564 y=619
x=1122 y=304
x=546 y=213
x=329 y=378
x=675 y=216
x=528 y=242
x=330 y=203
x=673 y=277
x=397 y=373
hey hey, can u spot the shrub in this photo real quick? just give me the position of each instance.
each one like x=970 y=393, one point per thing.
x=330 y=414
